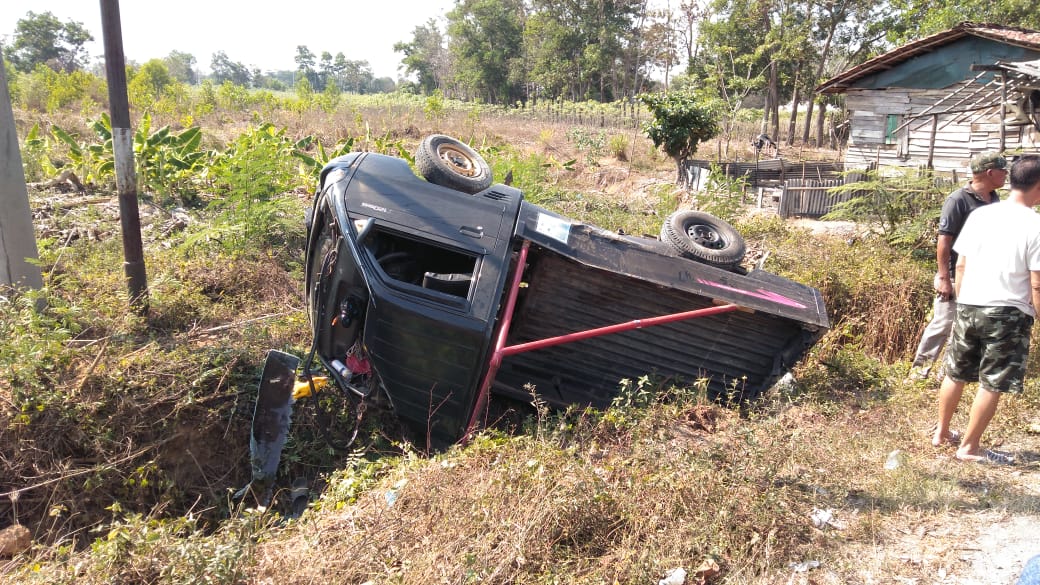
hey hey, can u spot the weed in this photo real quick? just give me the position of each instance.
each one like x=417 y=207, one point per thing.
x=591 y=143
x=36 y=161
x=876 y=295
x=433 y=108
x=722 y=196
x=618 y=146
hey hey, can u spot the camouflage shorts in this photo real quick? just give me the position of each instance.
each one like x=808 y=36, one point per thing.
x=990 y=345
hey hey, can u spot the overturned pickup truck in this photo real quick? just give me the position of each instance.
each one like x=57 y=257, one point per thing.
x=442 y=291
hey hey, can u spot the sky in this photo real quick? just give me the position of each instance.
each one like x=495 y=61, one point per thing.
x=261 y=33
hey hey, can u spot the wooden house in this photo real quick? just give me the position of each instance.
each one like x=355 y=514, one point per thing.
x=935 y=102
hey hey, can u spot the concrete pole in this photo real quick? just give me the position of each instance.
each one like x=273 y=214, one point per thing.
x=122 y=145
x=17 y=240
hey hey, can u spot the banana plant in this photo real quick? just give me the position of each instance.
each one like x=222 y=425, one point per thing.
x=90 y=161
x=313 y=164
x=164 y=160
x=36 y=162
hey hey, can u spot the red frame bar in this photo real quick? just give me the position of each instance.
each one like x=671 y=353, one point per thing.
x=628 y=326
x=500 y=341
x=501 y=350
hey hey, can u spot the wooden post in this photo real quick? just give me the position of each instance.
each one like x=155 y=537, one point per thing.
x=931 y=141
x=1003 y=111
x=17 y=240
x=122 y=146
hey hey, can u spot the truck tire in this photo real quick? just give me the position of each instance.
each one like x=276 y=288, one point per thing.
x=447 y=162
x=703 y=237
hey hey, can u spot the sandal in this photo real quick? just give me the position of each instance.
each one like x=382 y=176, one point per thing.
x=988 y=456
x=953 y=438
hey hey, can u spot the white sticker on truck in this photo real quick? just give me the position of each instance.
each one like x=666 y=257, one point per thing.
x=554 y=227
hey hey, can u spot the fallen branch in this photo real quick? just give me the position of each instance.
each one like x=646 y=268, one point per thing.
x=14 y=494
x=66 y=176
x=237 y=323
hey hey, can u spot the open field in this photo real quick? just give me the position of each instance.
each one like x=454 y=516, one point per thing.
x=122 y=436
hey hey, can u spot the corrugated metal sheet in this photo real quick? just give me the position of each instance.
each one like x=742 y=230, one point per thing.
x=739 y=352
x=810 y=198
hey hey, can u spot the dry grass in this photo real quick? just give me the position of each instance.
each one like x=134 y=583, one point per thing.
x=593 y=504
x=135 y=430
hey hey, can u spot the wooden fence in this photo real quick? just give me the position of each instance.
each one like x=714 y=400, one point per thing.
x=770 y=172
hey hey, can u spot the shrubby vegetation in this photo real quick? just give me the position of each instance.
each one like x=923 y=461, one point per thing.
x=134 y=429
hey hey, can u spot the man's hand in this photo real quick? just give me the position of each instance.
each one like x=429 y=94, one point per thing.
x=943 y=286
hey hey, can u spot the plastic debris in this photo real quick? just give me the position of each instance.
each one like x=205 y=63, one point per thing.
x=708 y=569
x=821 y=518
x=895 y=460
x=824 y=518
x=675 y=576
x=805 y=566
x=786 y=383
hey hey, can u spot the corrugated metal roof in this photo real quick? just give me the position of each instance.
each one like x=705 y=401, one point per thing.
x=1024 y=68
x=1021 y=37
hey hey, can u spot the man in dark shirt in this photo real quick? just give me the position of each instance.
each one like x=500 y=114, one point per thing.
x=989 y=172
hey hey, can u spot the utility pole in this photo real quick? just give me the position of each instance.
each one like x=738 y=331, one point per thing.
x=17 y=240
x=122 y=145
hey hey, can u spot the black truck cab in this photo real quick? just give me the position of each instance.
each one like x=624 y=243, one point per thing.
x=407 y=283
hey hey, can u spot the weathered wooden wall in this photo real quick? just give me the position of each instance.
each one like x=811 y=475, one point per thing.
x=958 y=136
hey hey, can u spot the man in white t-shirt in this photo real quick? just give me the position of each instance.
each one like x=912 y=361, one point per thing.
x=998 y=291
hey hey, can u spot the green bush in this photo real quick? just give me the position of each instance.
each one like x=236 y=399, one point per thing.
x=618 y=146
x=248 y=177
x=46 y=90
x=903 y=203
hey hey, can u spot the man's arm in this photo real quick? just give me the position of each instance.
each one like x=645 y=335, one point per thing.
x=962 y=261
x=1034 y=285
x=943 y=286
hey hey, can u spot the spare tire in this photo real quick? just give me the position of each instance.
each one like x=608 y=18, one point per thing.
x=703 y=237
x=447 y=162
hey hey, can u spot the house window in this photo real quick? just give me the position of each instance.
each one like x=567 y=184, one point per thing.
x=891 y=124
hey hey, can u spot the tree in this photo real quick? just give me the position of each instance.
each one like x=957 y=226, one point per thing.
x=588 y=50
x=789 y=46
x=356 y=76
x=844 y=30
x=381 y=85
x=338 y=68
x=150 y=80
x=42 y=38
x=326 y=70
x=426 y=56
x=224 y=69
x=680 y=123
x=553 y=47
x=305 y=64
x=487 y=44
x=912 y=19
x=181 y=66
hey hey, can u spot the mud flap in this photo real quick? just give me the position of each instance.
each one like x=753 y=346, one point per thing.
x=270 y=423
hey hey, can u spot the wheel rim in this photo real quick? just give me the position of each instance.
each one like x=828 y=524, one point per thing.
x=706 y=236
x=458 y=160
